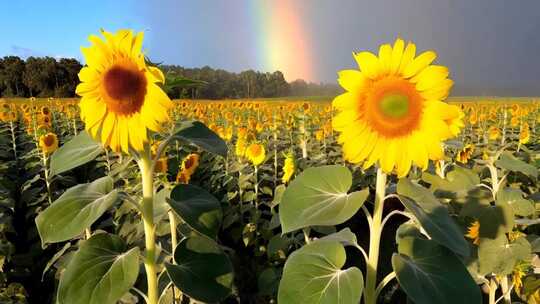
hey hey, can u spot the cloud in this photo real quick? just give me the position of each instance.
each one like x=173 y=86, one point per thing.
x=25 y=52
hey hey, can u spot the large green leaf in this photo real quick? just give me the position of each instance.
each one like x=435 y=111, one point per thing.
x=433 y=216
x=100 y=272
x=202 y=271
x=458 y=180
x=514 y=198
x=430 y=273
x=76 y=210
x=318 y=197
x=495 y=220
x=499 y=257
x=198 y=208
x=509 y=162
x=76 y=152
x=313 y=274
x=197 y=133
x=181 y=82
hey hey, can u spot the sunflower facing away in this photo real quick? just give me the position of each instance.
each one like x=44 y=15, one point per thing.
x=392 y=112
x=48 y=143
x=121 y=100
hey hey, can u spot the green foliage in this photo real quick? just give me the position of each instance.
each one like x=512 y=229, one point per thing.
x=197 y=208
x=80 y=150
x=76 y=210
x=201 y=270
x=430 y=273
x=197 y=133
x=314 y=274
x=319 y=196
x=433 y=216
x=100 y=272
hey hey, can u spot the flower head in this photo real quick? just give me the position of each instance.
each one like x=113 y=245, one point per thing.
x=392 y=112
x=48 y=143
x=120 y=98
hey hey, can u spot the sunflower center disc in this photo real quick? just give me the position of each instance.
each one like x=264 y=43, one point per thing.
x=126 y=88
x=394 y=105
x=48 y=140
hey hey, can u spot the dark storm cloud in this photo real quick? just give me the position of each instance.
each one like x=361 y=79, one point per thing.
x=491 y=46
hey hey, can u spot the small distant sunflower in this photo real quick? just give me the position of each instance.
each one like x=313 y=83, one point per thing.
x=190 y=163
x=392 y=112
x=121 y=100
x=494 y=132
x=289 y=167
x=524 y=134
x=256 y=153
x=473 y=232
x=48 y=143
x=465 y=154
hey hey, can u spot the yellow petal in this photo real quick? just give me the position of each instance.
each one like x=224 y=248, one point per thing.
x=408 y=56
x=397 y=53
x=368 y=63
x=352 y=80
x=419 y=63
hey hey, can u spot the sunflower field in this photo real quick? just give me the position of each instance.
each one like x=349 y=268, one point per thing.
x=389 y=193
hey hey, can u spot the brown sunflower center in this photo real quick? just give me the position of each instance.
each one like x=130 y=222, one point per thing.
x=255 y=150
x=126 y=89
x=393 y=107
x=189 y=162
x=48 y=140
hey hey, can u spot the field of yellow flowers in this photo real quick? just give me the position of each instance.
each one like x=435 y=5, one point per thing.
x=487 y=179
x=385 y=194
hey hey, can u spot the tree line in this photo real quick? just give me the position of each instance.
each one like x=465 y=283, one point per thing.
x=51 y=77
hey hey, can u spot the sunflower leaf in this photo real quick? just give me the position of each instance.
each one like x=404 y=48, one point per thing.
x=195 y=132
x=78 y=151
x=318 y=197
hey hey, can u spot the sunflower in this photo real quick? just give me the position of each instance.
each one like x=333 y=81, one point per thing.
x=48 y=143
x=465 y=154
x=392 y=112
x=494 y=132
x=288 y=168
x=524 y=134
x=256 y=153
x=190 y=163
x=473 y=232
x=121 y=100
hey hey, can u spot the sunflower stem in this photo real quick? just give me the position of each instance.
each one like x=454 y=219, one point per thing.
x=375 y=239
x=506 y=291
x=147 y=209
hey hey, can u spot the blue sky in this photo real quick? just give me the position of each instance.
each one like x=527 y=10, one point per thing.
x=491 y=46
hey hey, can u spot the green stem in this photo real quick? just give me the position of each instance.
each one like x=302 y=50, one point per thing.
x=13 y=139
x=507 y=295
x=492 y=290
x=375 y=239
x=45 y=158
x=147 y=209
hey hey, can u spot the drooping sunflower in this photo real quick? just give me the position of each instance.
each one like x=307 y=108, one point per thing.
x=288 y=168
x=473 y=232
x=392 y=112
x=120 y=98
x=465 y=154
x=190 y=163
x=48 y=143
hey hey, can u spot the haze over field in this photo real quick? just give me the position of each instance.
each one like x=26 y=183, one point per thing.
x=491 y=46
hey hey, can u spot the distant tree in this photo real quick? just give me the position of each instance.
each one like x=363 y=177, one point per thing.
x=11 y=76
x=48 y=77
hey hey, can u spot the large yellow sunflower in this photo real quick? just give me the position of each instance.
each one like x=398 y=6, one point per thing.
x=120 y=96
x=392 y=111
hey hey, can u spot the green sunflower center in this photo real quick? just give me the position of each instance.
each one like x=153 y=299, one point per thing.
x=395 y=105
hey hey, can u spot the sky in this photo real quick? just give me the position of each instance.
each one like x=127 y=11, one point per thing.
x=492 y=47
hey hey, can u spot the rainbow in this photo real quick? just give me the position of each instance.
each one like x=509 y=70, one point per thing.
x=282 y=41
